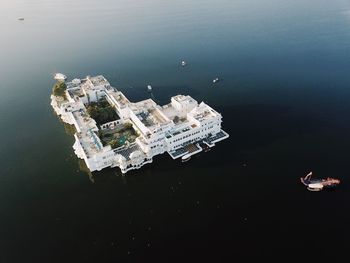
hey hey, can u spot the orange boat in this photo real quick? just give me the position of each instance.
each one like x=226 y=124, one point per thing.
x=318 y=184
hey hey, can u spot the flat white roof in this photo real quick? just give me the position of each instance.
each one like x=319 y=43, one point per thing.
x=98 y=80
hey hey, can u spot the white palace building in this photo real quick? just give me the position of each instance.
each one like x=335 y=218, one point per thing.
x=182 y=128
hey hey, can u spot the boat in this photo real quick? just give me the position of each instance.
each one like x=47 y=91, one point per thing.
x=21 y=18
x=315 y=187
x=183 y=63
x=318 y=184
x=60 y=76
x=149 y=87
x=215 y=80
x=186 y=157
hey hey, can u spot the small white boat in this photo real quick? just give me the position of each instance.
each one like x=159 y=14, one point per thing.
x=315 y=187
x=60 y=76
x=186 y=157
x=183 y=63
x=149 y=87
x=215 y=80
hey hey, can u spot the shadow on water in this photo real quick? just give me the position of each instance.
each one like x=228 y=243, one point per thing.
x=83 y=167
x=69 y=129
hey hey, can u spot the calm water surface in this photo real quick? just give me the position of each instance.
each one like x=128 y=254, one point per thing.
x=284 y=97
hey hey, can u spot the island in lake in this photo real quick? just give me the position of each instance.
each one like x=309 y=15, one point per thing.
x=111 y=131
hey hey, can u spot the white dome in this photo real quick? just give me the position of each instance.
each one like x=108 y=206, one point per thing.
x=60 y=76
x=135 y=155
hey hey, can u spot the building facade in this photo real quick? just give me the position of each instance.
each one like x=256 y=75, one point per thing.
x=179 y=128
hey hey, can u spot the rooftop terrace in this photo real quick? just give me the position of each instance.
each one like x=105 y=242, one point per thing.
x=98 y=80
x=90 y=142
x=83 y=120
x=119 y=97
x=75 y=92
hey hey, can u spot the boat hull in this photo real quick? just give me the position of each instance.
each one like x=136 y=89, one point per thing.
x=185 y=158
x=318 y=184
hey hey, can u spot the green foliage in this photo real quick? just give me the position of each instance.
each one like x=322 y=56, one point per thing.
x=118 y=137
x=59 y=89
x=117 y=142
x=70 y=129
x=128 y=126
x=114 y=144
x=101 y=112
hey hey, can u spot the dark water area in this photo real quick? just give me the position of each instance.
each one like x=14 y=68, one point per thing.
x=284 y=97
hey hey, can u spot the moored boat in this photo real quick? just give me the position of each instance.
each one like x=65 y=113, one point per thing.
x=186 y=157
x=318 y=184
x=315 y=187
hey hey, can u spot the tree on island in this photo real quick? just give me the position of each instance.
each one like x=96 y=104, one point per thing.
x=101 y=112
x=114 y=144
x=59 y=89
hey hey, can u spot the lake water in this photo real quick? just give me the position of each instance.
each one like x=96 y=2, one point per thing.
x=284 y=97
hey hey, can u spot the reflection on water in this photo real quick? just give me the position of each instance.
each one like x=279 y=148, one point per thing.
x=85 y=169
x=69 y=129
